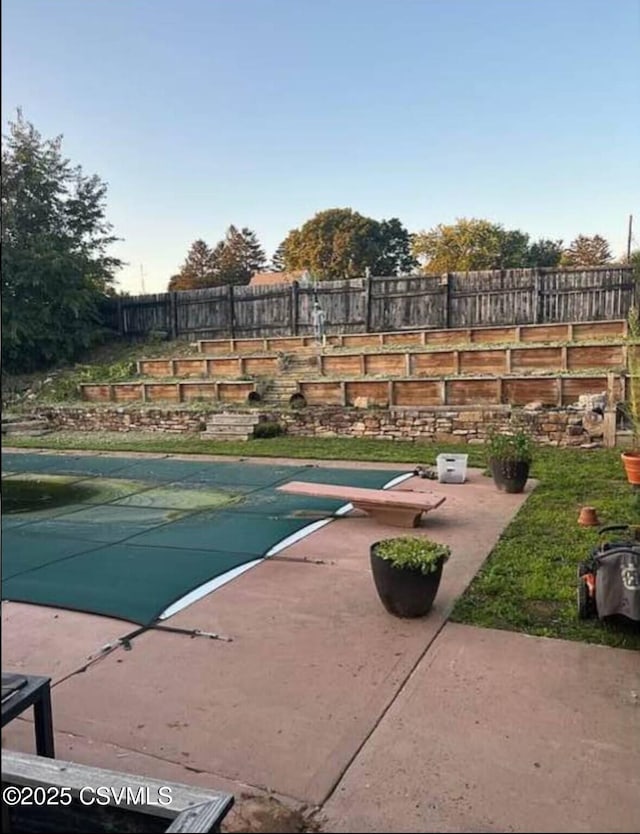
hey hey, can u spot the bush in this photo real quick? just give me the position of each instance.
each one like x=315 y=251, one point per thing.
x=267 y=428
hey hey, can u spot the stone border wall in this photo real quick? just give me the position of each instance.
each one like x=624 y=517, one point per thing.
x=562 y=426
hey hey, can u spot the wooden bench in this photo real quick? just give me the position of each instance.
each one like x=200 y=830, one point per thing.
x=398 y=508
x=144 y=804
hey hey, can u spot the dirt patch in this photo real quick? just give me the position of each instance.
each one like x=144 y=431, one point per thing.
x=267 y=815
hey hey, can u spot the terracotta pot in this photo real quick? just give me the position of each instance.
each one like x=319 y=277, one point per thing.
x=404 y=592
x=631 y=462
x=588 y=517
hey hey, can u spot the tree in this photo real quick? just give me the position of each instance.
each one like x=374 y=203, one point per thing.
x=198 y=270
x=545 y=252
x=238 y=256
x=479 y=244
x=341 y=243
x=55 y=268
x=232 y=261
x=278 y=259
x=395 y=247
x=587 y=251
x=466 y=245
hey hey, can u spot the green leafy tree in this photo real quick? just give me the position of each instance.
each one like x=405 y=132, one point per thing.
x=198 y=270
x=56 y=270
x=238 y=256
x=468 y=244
x=587 y=251
x=545 y=253
x=472 y=244
x=395 y=250
x=341 y=243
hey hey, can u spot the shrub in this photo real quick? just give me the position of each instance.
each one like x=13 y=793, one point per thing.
x=267 y=428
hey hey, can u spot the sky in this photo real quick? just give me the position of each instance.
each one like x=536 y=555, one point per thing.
x=204 y=113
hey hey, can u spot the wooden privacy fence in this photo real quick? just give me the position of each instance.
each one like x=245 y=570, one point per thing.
x=363 y=305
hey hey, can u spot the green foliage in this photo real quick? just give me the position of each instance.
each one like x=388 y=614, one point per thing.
x=232 y=261
x=267 y=428
x=238 y=256
x=412 y=553
x=198 y=271
x=544 y=253
x=340 y=243
x=633 y=375
x=55 y=267
x=587 y=251
x=66 y=387
x=278 y=259
x=471 y=244
x=516 y=447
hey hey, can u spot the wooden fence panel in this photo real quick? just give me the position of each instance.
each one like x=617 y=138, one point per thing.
x=498 y=299
x=586 y=295
x=343 y=303
x=408 y=303
x=142 y=314
x=202 y=314
x=263 y=311
x=492 y=298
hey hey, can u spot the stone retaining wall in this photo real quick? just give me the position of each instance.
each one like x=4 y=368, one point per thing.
x=566 y=426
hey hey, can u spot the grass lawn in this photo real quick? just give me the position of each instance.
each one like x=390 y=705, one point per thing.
x=528 y=583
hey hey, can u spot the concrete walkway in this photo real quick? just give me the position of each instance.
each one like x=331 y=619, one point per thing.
x=322 y=699
x=498 y=731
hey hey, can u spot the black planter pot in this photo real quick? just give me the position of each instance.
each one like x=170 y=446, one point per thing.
x=403 y=592
x=509 y=475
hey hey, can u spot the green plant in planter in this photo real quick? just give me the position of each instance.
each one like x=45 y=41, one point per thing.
x=406 y=572
x=509 y=458
x=516 y=447
x=413 y=553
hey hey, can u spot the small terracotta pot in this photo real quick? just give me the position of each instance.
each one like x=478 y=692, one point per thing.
x=588 y=517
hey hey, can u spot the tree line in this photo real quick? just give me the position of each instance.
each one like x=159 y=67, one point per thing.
x=57 y=271
x=341 y=243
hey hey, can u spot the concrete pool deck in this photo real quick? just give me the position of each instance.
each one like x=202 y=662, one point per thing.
x=323 y=699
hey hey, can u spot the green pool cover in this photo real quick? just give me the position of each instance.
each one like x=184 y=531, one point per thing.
x=127 y=537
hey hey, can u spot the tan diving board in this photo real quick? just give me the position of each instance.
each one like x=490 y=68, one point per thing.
x=399 y=508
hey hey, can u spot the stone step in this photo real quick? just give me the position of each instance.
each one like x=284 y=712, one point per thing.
x=27 y=427
x=235 y=430
x=205 y=435
x=27 y=432
x=245 y=420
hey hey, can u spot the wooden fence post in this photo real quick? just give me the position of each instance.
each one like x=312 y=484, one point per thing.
x=538 y=297
x=293 y=309
x=367 y=305
x=232 y=313
x=447 y=300
x=174 y=315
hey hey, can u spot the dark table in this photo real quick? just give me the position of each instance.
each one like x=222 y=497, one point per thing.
x=35 y=692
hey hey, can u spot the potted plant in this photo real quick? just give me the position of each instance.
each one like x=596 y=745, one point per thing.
x=631 y=457
x=407 y=572
x=509 y=459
